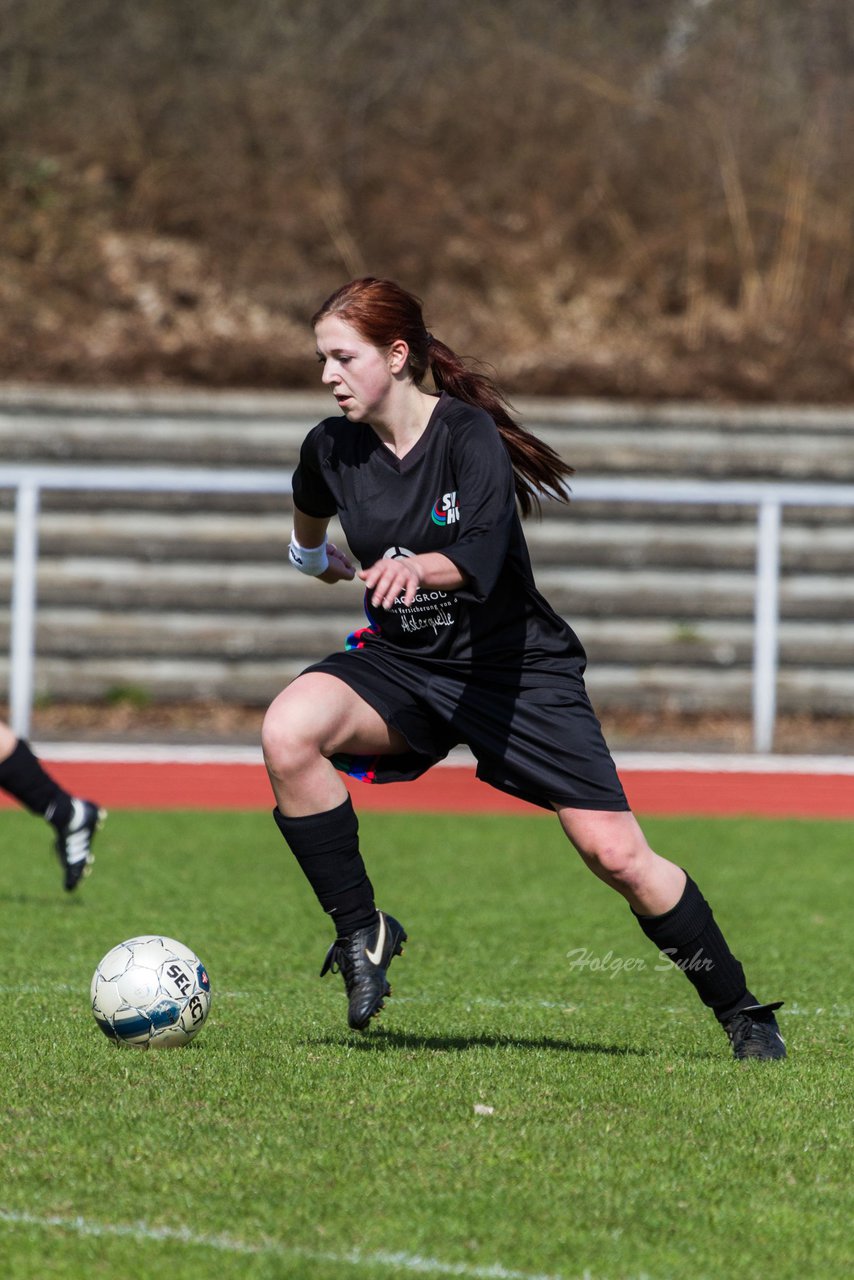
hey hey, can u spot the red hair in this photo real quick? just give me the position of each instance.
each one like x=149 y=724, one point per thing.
x=382 y=312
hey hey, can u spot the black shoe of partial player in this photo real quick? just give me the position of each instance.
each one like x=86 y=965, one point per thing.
x=74 y=841
x=362 y=960
x=753 y=1032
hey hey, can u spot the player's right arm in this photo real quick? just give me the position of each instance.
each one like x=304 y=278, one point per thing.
x=310 y=531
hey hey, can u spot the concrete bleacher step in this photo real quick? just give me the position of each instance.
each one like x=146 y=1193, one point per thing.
x=632 y=687
x=659 y=687
x=235 y=429
x=650 y=543
x=682 y=594
x=263 y=537
x=685 y=593
x=184 y=635
x=141 y=634
x=189 y=595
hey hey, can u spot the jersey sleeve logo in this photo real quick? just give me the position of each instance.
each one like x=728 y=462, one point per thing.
x=446 y=510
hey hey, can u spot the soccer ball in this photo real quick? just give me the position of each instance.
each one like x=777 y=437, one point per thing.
x=151 y=992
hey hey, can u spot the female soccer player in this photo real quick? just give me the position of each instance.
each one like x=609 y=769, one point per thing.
x=75 y=821
x=460 y=647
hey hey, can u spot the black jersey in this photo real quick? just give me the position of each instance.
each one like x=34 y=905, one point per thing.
x=453 y=492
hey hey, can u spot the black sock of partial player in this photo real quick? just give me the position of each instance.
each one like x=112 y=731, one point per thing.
x=689 y=936
x=24 y=777
x=326 y=846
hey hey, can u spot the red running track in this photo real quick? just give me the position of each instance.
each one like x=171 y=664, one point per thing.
x=127 y=785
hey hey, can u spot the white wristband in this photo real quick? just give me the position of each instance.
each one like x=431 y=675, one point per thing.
x=310 y=560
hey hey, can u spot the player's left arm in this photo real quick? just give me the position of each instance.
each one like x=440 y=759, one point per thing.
x=487 y=499
x=402 y=579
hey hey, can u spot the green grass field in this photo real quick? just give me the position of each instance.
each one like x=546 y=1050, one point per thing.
x=623 y=1141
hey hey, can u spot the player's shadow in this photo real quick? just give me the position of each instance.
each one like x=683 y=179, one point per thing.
x=46 y=900
x=384 y=1041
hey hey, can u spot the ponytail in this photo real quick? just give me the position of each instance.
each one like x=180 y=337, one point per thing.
x=539 y=471
x=381 y=311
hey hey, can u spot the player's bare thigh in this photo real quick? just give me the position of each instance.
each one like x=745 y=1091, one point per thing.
x=8 y=741
x=318 y=713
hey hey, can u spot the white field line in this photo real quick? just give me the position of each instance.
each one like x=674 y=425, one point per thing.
x=575 y=1006
x=490 y=1002
x=411 y=1263
x=460 y=757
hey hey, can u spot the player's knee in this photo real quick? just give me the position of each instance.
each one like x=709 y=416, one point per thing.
x=288 y=736
x=619 y=862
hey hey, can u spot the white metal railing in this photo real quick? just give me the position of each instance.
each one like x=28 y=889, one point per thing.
x=29 y=482
x=769 y=498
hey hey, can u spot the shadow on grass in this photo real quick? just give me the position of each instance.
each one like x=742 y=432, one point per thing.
x=382 y=1041
x=41 y=900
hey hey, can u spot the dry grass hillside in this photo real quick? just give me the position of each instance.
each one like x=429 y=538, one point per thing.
x=599 y=198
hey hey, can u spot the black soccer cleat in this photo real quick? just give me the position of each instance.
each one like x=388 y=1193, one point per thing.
x=362 y=960
x=74 y=841
x=753 y=1032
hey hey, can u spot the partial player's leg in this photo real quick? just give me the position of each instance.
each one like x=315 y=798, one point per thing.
x=673 y=914
x=75 y=821
x=316 y=717
x=615 y=849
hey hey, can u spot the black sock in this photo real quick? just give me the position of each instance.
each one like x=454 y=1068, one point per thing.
x=326 y=845
x=689 y=936
x=23 y=777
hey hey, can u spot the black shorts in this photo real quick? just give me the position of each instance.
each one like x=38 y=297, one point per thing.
x=533 y=734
